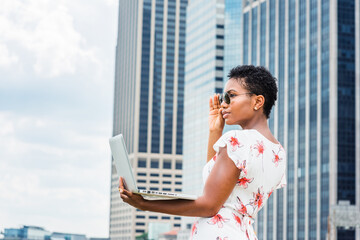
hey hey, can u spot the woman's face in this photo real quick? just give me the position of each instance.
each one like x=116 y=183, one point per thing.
x=241 y=108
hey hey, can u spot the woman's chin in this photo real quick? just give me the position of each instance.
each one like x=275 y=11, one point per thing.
x=229 y=122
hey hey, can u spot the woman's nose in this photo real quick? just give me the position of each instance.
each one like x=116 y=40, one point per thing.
x=224 y=104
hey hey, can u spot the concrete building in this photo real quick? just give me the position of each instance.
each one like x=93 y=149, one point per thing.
x=26 y=232
x=310 y=47
x=39 y=233
x=149 y=105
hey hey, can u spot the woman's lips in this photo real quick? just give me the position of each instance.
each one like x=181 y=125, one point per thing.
x=225 y=114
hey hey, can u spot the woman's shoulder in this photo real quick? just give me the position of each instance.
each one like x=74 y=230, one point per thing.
x=243 y=134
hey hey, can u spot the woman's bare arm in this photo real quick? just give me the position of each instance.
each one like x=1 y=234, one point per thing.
x=213 y=137
x=218 y=188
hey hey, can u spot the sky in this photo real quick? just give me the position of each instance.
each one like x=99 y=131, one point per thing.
x=57 y=62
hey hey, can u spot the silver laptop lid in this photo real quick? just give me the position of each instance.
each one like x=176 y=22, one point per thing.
x=122 y=163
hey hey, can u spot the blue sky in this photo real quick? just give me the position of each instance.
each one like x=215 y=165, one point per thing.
x=56 y=97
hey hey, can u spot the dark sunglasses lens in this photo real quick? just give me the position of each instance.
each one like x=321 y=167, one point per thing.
x=221 y=98
x=227 y=98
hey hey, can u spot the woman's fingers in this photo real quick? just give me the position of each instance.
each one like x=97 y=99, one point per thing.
x=121 y=184
x=125 y=194
x=216 y=99
x=211 y=105
x=214 y=102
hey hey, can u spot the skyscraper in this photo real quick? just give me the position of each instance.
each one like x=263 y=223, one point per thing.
x=310 y=47
x=357 y=94
x=203 y=78
x=148 y=105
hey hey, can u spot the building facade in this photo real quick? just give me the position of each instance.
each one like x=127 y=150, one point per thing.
x=310 y=47
x=39 y=233
x=203 y=77
x=149 y=105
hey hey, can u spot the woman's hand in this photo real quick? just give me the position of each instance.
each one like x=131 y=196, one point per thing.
x=130 y=198
x=216 y=120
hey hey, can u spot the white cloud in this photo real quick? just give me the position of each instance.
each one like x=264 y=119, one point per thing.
x=41 y=181
x=56 y=68
x=46 y=30
x=7 y=58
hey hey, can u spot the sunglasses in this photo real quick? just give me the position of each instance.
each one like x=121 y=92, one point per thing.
x=225 y=97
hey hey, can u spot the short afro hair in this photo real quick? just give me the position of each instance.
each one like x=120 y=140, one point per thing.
x=259 y=81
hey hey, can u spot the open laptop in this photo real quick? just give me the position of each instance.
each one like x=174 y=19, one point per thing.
x=124 y=170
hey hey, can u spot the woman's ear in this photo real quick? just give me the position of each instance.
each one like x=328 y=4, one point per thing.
x=259 y=101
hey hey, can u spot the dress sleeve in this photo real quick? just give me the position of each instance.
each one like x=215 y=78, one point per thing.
x=236 y=147
x=282 y=182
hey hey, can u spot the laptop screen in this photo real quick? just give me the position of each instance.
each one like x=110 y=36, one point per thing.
x=122 y=163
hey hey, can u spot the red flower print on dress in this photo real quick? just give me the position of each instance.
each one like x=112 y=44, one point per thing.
x=219 y=220
x=237 y=220
x=247 y=235
x=241 y=207
x=219 y=238
x=214 y=158
x=194 y=229
x=269 y=193
x=258 y=198
x=235 y=144
x=259 y=146
x=242 y=167
x=243 y=182
x=276 y=158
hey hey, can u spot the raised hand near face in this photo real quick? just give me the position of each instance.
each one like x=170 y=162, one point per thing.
x=216 y=120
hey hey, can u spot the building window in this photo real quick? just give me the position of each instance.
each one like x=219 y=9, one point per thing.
x=166 y=189
x=166 y=182
x=141 y=181
x=167 y=164
x=178 y=165
x=177 y=190
x=177 y=218
x=141 y=174
x=218 y=90
x=140 y=216
x=153 y=217
x=178 y=176
x=154 y=188
x=219 y=68
x=154 y=174
x=176 y=225
x=154 y=163
x=139 y=230
x=166 y=175
x=142 y=163
x=154 y=181
x=165 y=217
x=178 y=183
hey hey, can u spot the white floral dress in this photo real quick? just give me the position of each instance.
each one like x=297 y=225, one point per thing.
x=262 y=165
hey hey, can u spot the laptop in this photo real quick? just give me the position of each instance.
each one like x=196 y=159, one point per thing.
x=124 y=170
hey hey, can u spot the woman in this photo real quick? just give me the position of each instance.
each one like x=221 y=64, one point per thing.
x=244 y=166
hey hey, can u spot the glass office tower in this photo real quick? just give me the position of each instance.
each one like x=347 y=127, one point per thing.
x=310 y=47
x=149 y=105
x=203 y=77
x=233 y=42
x=357 y=94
